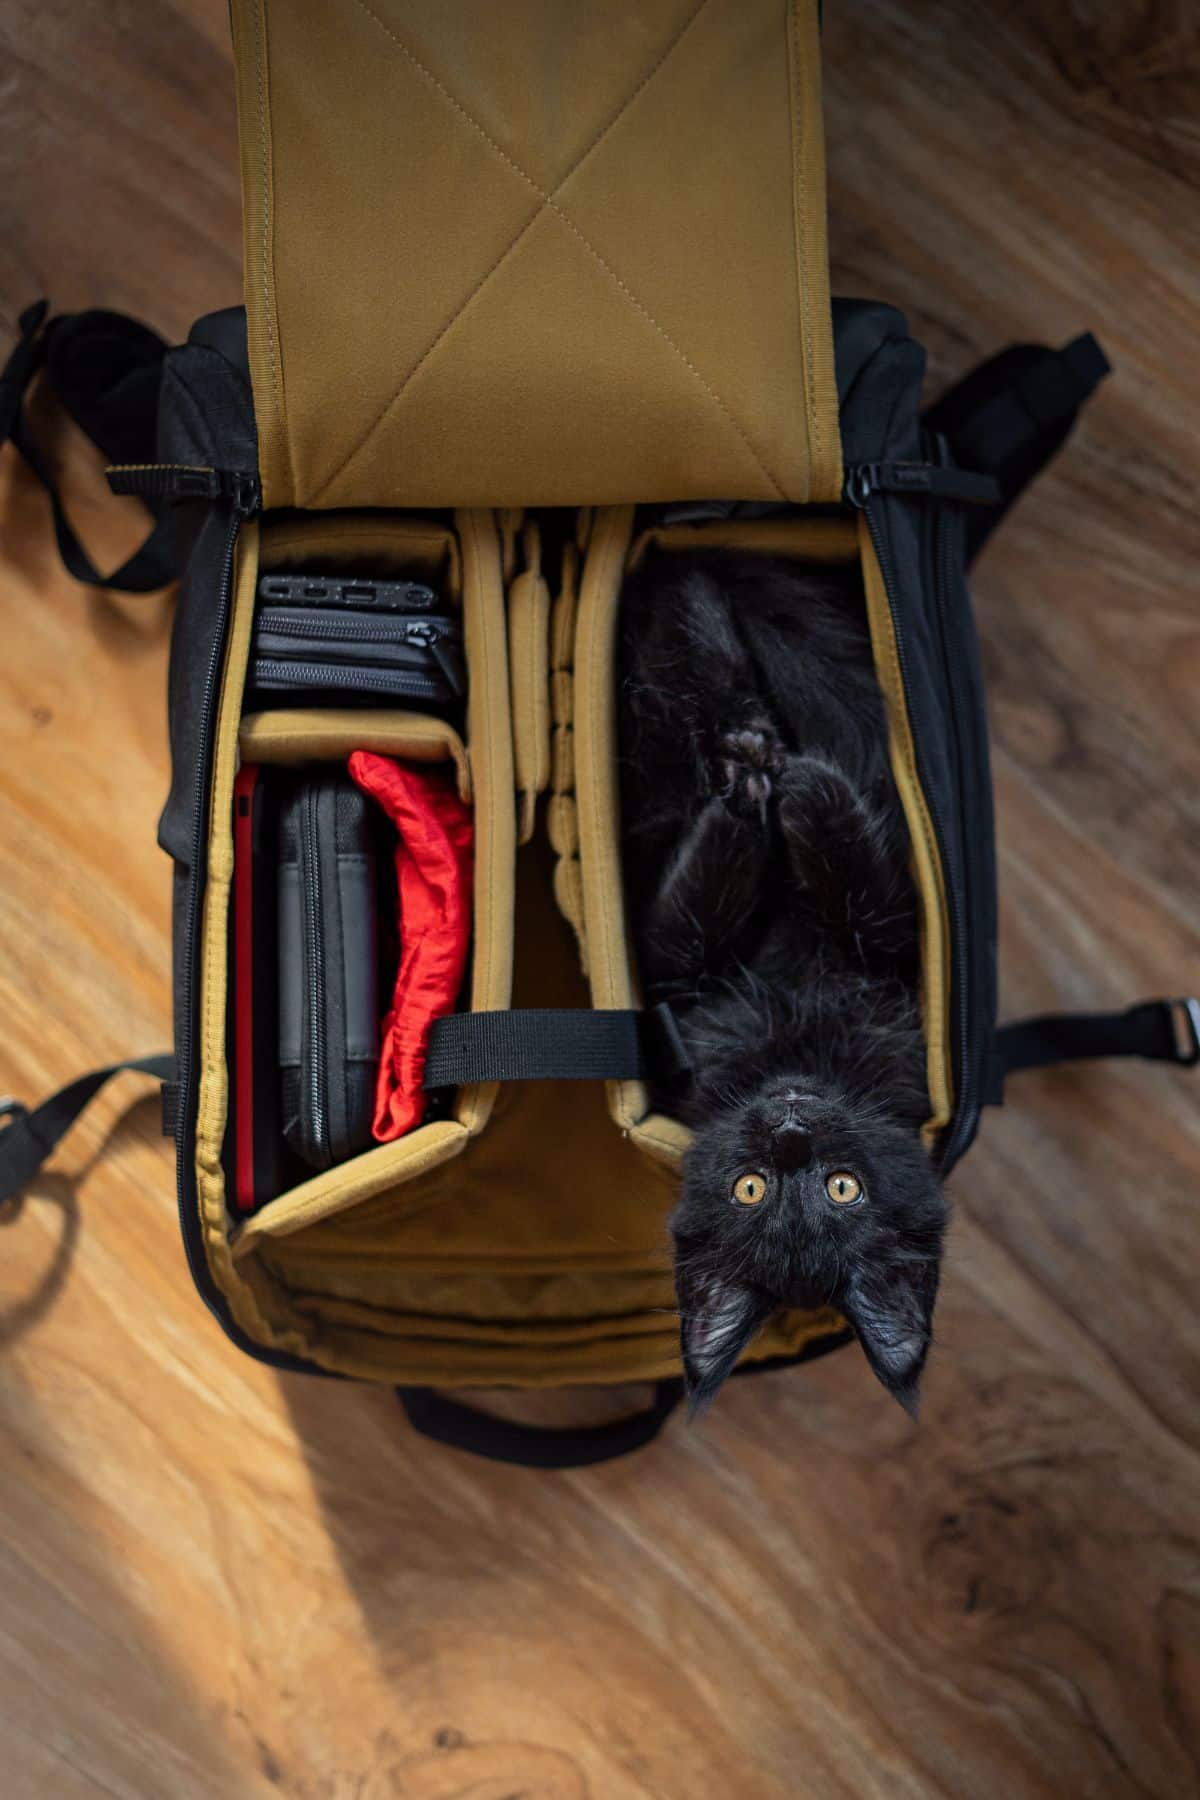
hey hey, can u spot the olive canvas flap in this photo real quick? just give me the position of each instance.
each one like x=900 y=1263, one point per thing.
x=504 y=255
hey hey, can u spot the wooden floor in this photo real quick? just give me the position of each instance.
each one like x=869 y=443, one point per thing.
x=217 y=1582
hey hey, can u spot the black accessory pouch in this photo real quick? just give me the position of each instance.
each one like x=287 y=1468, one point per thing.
x=373 y=640
x=329 y=967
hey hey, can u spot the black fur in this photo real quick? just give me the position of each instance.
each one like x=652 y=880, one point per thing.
x=766 y=868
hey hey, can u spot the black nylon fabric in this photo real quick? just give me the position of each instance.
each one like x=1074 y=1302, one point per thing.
x=205 y=419
x=922 y=551
x=105 y=370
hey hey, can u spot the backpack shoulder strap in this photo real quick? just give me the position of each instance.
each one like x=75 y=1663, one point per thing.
x=1159 y=1030
x=1013 y=413
x=106 y=370
x=31 y=1134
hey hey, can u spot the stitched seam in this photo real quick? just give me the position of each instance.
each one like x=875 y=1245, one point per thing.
x=260 y=53
x=476 y=1110
x=799 y=217
x=669 y=340
x=482 y=131
x=355 y=449
x=316 y=1206
x=548 y=200
x=668 y=1144
x=625 y=104
x=540 y=659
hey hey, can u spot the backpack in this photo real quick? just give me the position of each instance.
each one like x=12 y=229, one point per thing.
x=511 y=345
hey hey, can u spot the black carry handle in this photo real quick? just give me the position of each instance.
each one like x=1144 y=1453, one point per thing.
x=1158 y=1030
x=106 y=370
x=464 y=1427
x=31 y=1134
x=1009 y=416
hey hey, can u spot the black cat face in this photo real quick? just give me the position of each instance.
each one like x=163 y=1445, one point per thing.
x=802 y=1196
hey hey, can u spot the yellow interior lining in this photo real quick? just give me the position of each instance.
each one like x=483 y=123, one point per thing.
x=612 y=972
x=529 y=673
x=536 y=1252
x=927 y=865
x=305 y=734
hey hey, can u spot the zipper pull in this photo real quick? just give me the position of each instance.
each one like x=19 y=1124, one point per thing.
x=245 y=490
x=422 y=633
x=924 y=479
x=185 y=481
x=862 y=480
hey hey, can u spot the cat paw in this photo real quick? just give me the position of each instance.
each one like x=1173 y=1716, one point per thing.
x=819 y=806
x=747 y=766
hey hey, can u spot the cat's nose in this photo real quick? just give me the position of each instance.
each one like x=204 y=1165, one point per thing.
x=791 y=1147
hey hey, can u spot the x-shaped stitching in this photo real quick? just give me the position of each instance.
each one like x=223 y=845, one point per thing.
x=547 y=201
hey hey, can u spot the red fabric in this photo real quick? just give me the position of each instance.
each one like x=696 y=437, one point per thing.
x=434 y=863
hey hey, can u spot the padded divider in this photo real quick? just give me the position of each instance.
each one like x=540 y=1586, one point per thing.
x=562 y=817
x=304 y=734
x=610 y=957
x=489 y=738
x=822 y=540
x=529 y=674
x=394 y=544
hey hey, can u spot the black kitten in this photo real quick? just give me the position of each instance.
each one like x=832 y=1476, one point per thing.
x=766 y=866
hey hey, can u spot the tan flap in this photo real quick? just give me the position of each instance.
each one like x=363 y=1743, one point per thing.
x=536 y=254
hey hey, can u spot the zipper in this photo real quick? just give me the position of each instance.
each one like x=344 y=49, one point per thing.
x=281 y=674
x=178 y=481
x=861 y=492
x=310 y=888
x=966 y=1104
x=244 y=502
x=244 y=495
x=425 y=633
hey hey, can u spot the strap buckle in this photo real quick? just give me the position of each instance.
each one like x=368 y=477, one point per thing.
x=12 y=1111
x=1185 y=1021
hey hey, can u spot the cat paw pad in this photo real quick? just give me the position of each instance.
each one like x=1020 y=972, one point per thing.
x=747 y=765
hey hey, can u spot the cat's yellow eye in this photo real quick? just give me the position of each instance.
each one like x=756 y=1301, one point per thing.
x=750 y=1190
x=843 y=1188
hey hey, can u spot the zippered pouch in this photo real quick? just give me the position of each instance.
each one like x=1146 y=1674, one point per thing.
x=329 y=963
x=356 y=647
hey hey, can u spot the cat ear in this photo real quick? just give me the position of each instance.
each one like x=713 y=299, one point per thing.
x=892 y=1313
x=717 y=1319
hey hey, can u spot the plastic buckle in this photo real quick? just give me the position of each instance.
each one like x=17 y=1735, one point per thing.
x=13 y=1111
x=1185 y=1019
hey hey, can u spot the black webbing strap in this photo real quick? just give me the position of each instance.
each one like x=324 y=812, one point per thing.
x=105 y=370
x=573 y=1044
x=1009 y=416
x=462 y=1427
x=1159 y=1030
x=32 y=1134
